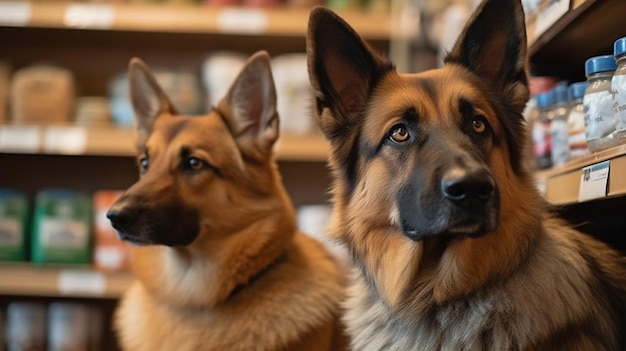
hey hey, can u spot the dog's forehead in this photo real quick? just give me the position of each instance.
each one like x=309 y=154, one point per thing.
x=169 y=130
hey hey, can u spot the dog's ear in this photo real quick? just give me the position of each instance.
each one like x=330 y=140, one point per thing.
x=249 y=108
x=493 y=46
x=147 y=97
x=343 y=70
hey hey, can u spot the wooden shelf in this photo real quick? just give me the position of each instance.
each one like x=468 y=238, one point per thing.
x=116 y=141
x=180 y=18
x=587 y=29
x=23 y=279
x=562 y=185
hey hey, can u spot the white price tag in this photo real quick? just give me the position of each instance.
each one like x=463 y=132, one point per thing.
x=593 y=181
x=21 y=139
x=550 y=14
x=65 y=140
x=89 y=16
x=82 y=282
x=242 y=21
x=15 y=13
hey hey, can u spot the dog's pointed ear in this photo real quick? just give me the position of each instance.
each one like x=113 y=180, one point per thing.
x=493 y=46
x=147 y=97
x=249 y=108
x=343 y=69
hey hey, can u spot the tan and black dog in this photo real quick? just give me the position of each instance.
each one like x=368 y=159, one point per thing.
x=454 y=247
x=219 y=262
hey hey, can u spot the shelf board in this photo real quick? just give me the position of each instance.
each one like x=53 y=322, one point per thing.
x=588 y=29
x=181 y=18
x=23 y=279
x=562 y=184
x=117 y=141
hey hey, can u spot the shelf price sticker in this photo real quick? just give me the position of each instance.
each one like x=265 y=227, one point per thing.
x=244 y=21
x=98 y=16
x=65 y=140
x=593 y=181
x=20 y=139
x=15 y=13
x=82 y=282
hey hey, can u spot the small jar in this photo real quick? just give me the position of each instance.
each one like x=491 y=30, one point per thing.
x=599 y=121
x=542 y=146
x=576 y=121
x=618 y=87
x=558 y=127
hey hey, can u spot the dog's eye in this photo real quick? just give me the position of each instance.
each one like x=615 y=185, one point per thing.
x=195 y=163
x=144 y=163
x=479 y=124
x=399 y=133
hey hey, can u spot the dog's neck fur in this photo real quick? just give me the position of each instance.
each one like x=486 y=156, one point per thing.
x=215 y=271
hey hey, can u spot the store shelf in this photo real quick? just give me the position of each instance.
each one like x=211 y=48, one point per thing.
x=179 y=18
x=588 y=28
x=116 y=141
x=24 y=279
x=562 y=185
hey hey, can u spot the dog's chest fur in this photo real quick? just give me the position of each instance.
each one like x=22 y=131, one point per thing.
x=502 y=316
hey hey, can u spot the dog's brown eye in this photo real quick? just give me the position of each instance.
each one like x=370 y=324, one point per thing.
x=399 y=133
x=478 y=124
x=144 y=163
x=195 y=163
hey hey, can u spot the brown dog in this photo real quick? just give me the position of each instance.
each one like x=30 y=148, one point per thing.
x=220 y=264
x=454 y=248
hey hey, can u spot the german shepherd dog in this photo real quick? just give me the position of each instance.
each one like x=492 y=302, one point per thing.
x=454 y=248
x=219 y=262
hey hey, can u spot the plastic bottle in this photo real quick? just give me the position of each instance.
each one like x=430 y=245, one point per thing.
x=558 y=127
x=618 y=87
x=541 y=130
x=576 y=121
x=599 y=121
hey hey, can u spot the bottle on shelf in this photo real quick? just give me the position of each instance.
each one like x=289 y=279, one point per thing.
x=558 y=127
x=618 y=87
x=599 y=121
x=542 y=147
x=576 y=121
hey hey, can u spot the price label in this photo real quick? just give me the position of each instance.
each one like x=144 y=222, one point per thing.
x=65 y=140
x=242 y=21
x=20 y=139
x=82 y=282
x=99 y=16
x=593 y=181
x=15 y=13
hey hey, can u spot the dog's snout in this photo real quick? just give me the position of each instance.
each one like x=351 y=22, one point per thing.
x=121 y=218
x=466 y=187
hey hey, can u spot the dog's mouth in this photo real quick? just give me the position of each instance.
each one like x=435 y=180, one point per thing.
x=134 y=240
x=463 y=228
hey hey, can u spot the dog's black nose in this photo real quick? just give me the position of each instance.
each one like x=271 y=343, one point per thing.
x=465 y=187
x=121 y=219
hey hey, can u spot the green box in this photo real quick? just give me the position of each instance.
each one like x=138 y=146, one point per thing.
x=62 y=227
x=13 y=225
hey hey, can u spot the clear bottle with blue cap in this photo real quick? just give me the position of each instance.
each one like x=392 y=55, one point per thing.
x=542 y=145
x=618 y=87
x=599 y=120
x=558 y=127
x=576 y=120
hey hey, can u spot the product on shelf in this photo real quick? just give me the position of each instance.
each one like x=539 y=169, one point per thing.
x=26 y=326
x=68 y=327
x=61 y=227
x=219 y=70
x=42 y=94
x=542 y=144
x=618 y=86
x=92 y=111
x=558 y=126
x=119 y=94
x=110 y=253
x=294 y=93
x=13 y=225
x=599 y=121
x=576 y=120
